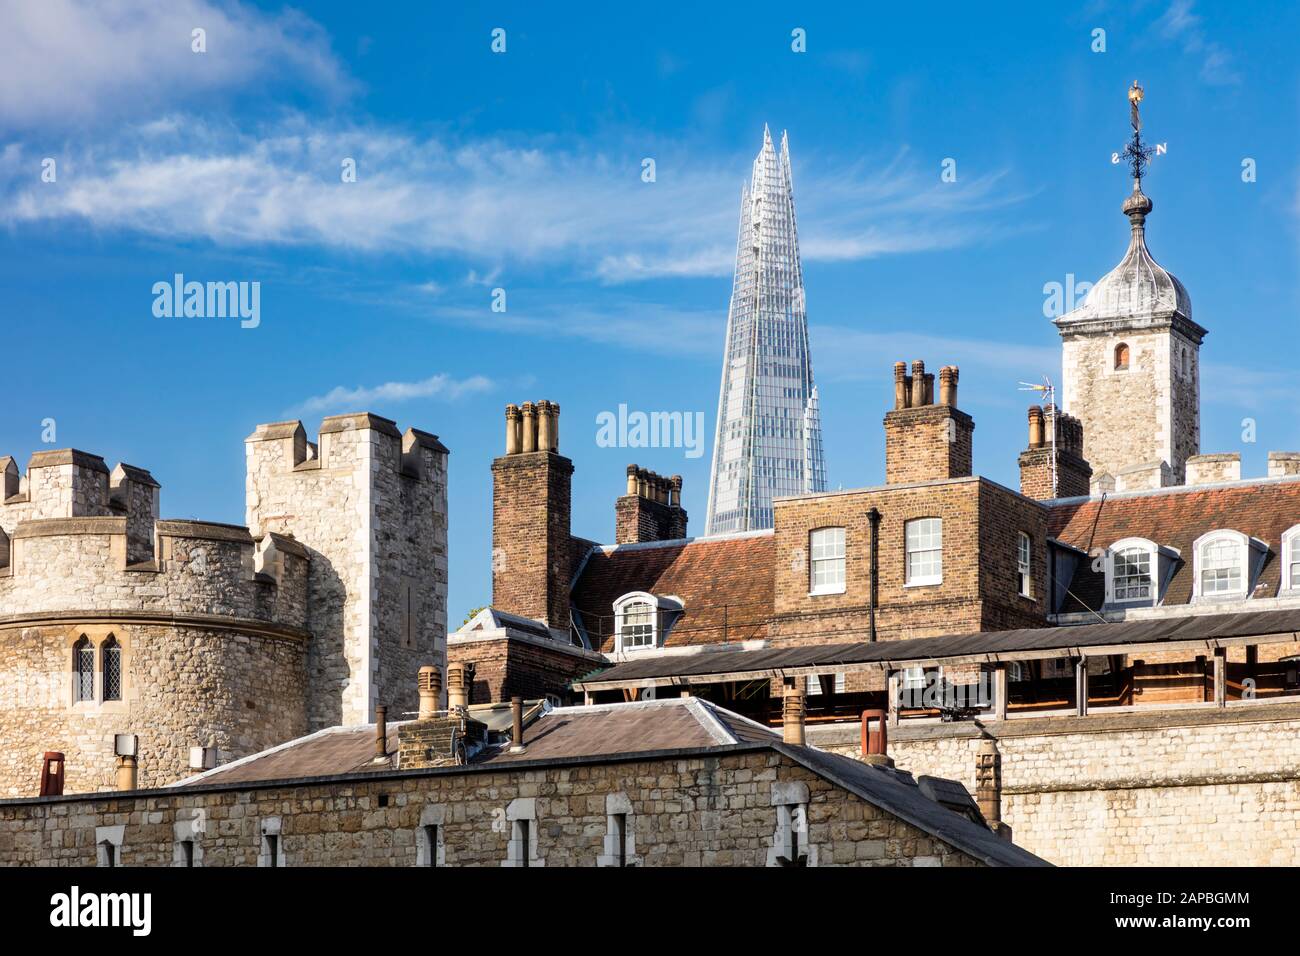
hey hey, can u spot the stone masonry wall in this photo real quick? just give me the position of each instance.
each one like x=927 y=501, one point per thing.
x=377 y=539
x=690 y=811
x=1202 y=788
x=180 y=686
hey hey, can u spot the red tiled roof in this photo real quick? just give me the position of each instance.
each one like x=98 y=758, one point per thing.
x=1176 y=518
x=725 y=585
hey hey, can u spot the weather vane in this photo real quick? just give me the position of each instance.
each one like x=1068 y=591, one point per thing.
x=1135 y=152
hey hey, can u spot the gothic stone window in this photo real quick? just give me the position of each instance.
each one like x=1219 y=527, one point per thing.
x=111 y=656
x=83 y=670
x=1121 y=357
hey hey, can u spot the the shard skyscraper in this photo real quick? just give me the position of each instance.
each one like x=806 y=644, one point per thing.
x=769 y=437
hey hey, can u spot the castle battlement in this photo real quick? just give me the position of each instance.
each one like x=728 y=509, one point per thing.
x=67 y=565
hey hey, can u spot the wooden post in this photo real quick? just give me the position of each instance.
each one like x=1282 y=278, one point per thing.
x=1221 y=676
x=1000 y=691
x=891 y=693
x=1081 y=686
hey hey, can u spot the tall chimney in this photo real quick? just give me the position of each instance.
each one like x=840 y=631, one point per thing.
x=532 y=547
x=517 y=725
x=429 y=682
x=792 y=728
x=381 y=731
x=925 y=441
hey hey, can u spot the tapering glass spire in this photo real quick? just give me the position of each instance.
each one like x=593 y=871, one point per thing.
x=768 y=441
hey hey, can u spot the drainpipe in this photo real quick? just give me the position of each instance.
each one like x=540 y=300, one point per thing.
x=873 y=518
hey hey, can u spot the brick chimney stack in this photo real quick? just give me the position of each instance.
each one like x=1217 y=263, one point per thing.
x=651 y=510
x=925 y=441
x=1073 y=473
x=531 y=507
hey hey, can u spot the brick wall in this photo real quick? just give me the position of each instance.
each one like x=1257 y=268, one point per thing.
x=531 y=546
x=637 y=518
x=507 y=666
x=927 y=443
x=688 y=811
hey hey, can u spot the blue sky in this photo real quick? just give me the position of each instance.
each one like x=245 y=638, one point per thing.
x=522 y=171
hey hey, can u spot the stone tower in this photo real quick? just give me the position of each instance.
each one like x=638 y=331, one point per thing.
x=1131 y=365
x=369 y=504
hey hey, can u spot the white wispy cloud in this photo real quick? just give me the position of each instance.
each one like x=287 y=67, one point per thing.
x=1180 y=24
x=488 y=201
x=89 y=61
x=363 y=396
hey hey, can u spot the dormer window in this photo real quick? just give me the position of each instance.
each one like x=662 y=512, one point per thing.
x=1227 y=563
x=1137 y=572
x=1291 y=560
x=642 y=620
x=1121 y=357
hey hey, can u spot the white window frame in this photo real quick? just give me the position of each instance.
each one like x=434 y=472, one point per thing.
x=1250 y=555
x=812 y=685
x=1025 y=564
x=660 y=608
x=828 y=561
x=913 y=581
x=1290 y=555
x=1153 y=572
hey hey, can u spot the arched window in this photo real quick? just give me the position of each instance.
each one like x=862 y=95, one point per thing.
x=1121 y=357
x=83 y=669
x=111 y=657
x=643 y=620
x=1291 y=559
x=1132 y=572
x=1227 y=563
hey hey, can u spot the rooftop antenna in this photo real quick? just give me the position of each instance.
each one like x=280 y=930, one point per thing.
x=1048 y=391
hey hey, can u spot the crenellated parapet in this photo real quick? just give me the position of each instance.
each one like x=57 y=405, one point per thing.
x=201 y=570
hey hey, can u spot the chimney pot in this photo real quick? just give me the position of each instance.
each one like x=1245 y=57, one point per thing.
x=1035 y=426
x=918 y=384
x=429 y=683
x=948 y=386
x=126 y=773
x=545 y=441
x=631 y=479
x=52 y=774
x=512 y=429
x=517 y=725
x=792 y=729
x=457 y=691
x=529 y=428
x=381 y=732
x=901 y=385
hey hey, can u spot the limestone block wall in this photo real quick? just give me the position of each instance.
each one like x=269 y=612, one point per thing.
x=181 y=686
x=370 y=507
x=1213 y=787
x=694 y=811
x=80 y=565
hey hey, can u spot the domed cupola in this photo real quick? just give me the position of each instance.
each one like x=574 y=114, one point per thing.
x=1138 y=288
